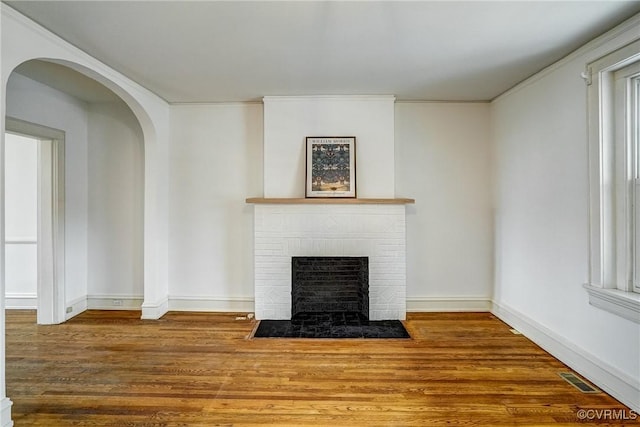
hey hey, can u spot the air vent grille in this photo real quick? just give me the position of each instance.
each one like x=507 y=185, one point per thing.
x=578 y=382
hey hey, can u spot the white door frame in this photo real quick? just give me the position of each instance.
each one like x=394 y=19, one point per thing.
x=51 y=219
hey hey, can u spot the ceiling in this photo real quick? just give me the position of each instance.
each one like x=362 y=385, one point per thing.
x=218 y=51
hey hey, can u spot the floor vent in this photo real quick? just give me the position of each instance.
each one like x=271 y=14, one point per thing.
x=578 y=383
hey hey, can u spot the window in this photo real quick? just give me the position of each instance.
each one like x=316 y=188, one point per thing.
x=614 y=173
x=628 y=88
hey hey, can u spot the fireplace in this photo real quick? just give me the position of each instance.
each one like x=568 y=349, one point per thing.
x=375 y=231
x=330 y=284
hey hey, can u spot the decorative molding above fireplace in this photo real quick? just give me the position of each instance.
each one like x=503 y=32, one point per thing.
x=377 y=231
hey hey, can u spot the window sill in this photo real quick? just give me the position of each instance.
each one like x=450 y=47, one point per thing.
x=620 y=303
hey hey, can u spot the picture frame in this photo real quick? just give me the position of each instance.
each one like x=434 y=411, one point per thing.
x=330 y=166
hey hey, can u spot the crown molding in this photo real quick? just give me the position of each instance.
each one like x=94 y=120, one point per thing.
x=329 y=98
x=630 y=25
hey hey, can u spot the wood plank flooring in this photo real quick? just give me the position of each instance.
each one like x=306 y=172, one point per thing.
x=109 y=368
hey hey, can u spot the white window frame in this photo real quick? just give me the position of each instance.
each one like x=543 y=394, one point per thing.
x=612 y=159
x=632 y=86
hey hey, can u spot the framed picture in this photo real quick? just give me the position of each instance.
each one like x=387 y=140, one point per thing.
x=331 y=166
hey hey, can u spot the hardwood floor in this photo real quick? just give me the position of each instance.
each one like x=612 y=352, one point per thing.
x=109 y=368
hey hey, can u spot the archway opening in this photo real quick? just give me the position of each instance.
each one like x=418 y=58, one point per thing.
x=103 y=203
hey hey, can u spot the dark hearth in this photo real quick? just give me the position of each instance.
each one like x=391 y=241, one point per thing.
x=330 y=325
x=330 y=285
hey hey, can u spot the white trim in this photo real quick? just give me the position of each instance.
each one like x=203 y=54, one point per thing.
x=620 y=303
x=51 y=218
x=5 y=412
x=609 y=240
x=275 y=98
x=611 y=159
x=448 y=304
x=21 y=241
x=223 y=304
x=211 y=304
x=398 y=101
x=156 y=310
x=21 y=301
x=440 y=101
x=135 y=302
x=214 y=103
x=77 y=306
x=51 y=225
x=611 y=380
x=114 y=302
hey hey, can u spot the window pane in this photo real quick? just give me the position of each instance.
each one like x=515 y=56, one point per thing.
x=634 y=134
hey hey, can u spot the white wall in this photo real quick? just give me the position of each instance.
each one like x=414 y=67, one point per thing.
x=216 y=163
x=288 y=120
x=36 y=103
x=115 y=204
x=21 y=186
x=442 y=160
x=21 y=221
x=541 y=184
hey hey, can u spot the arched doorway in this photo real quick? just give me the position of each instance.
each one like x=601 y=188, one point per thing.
x=153 y=203
x=104 y=201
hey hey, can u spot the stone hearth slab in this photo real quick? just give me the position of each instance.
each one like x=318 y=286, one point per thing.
x=330 y=325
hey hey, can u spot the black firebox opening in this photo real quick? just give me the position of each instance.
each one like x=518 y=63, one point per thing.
x=330 y=284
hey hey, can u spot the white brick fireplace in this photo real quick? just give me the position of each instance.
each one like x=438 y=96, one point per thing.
x=287 y=224
x=373 y=230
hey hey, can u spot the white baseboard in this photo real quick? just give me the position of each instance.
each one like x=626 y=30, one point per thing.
x=435 y=304
x=21 y=301
x=75 y=307
x=154 y=311
x=227 y=304
x=5 y=412
x=114 y=302
x=618 y=384
x=149 y=311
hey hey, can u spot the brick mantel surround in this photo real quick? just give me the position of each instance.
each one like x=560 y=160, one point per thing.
x=374 y=230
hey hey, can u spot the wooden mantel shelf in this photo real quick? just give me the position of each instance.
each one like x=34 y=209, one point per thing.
x=328 y=201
